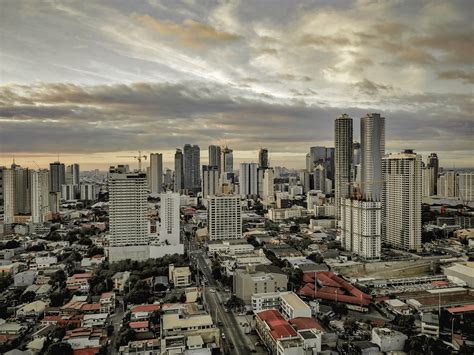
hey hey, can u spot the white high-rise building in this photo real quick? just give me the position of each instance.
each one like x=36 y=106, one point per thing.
x=248 y=179
x=170 y=221
x=268 y=187
x=9 y=183
x=372 y=132
x=447 y=184
x=210 y=180
x=401 y=200
x=128 y=209
x=68 y=192
x=39 y=195
x=343 y=160
x=427 y=181
x=224 y=217
x=156 y=173
x=361 y=227
x=466 y=186
x=89 y=192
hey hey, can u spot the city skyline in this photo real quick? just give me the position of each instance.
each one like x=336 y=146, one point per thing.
x=218 y=74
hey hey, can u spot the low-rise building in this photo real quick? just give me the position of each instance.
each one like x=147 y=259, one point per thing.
x=430 y=324
x=31 y=310
x=179 y=276
x=120 y=280
x=397 y=307
x=107 y=302
x=292 y=306
x=83 y=338
x=174 y=324
x=388 y=340
x=249 y=282
x=277 y=334
x=143 y=312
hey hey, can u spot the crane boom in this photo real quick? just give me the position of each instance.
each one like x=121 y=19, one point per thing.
x=139 y=157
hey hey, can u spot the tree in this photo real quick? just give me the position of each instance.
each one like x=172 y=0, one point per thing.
x=11 y=244
x=125 y=337
x=27 y=297
x=58 y=277
x=234 y=302
x=5 y=281
x=340 y=308
x=57 y=298
x=59 y=348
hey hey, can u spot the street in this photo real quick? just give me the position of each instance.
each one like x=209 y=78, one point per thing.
x=213 y=296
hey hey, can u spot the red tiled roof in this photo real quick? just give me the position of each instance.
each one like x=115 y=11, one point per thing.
x=269 y=314
x=301 y=323
x=107 y=294
x=84 y=275
x=283 y=331
x=145 y=308
x=90 y=307
x=86 y=351
x=136 y=325
x=462 y=309
x=51 y=319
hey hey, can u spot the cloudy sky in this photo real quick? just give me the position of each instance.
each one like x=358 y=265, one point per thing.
x=92 y=80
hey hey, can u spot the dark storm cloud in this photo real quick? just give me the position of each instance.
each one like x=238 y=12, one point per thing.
x=114 y=75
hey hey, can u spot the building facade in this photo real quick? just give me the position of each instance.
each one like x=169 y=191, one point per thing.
x=156 y=173
x=343 y=160
x=128 y=209
x=401 y=200
x=372 y=131
x=361 y=227
x=170 y=219
x=224 y=217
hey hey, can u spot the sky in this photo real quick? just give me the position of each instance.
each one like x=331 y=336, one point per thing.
x=95 y=80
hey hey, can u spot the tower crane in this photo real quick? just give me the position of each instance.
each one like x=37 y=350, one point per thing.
x=139 y=157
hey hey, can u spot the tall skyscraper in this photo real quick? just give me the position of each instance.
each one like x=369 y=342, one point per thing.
x=331 y=164
x=372 y=132
x=401 y=200
x=210 y=180
x=128 y=209
x=191 y=166
x=9 y=183
x=224 y=217
x=215 y=157
x=2 y=201
x=169 y=216
x=57 y=176
x=268 y=188
x=361 y=227
x=178 y=171
x=433 y=162
x=466 y=187
x=317 y=156
x=72 y=174
x=22 y=190
x=248 y=179
x=356 y=159
x=319 y=178
x=156 y=173
x=448 y=184
x=39 y=195
x=227 y=160
x=343 y=160
x=427 y=181
x=263 y=162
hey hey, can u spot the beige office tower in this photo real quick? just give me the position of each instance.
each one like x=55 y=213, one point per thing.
x=401 y=200
x=343 y=160
x=39 y=195
x=9 y=184
x=427 y=181
x=466 y=187
x=361 y=227
x=224 y=217
x=128 y=209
